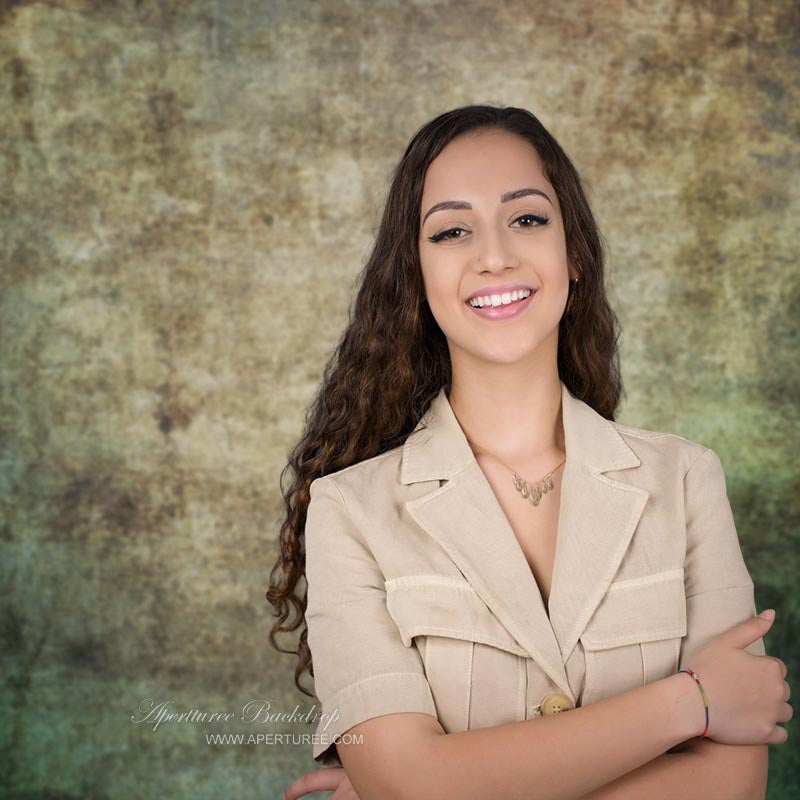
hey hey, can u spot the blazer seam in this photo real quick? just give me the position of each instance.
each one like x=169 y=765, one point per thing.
x=357 y=531
x=699 y=456
x=657 y=634
x=721 y=589
x=380 y=675
x=461 y=469
x=341 y=498
x=443 y=581
x=644 y=433
x=380 y=456
x=445 y=487
x=665 y=576
x=470 y=635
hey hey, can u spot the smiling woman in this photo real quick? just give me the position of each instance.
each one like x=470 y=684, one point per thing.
x=503 y=234
x=506 y=587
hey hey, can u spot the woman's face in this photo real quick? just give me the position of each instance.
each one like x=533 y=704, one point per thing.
x=491 y=224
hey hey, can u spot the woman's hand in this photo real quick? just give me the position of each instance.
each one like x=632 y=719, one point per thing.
x=747 y=694
x=327 y=779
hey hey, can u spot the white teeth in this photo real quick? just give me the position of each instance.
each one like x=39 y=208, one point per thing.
x=499 y=299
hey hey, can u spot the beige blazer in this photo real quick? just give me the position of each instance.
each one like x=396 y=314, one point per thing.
x=420 y=597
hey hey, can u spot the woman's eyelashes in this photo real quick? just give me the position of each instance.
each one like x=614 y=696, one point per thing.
x=537 y=220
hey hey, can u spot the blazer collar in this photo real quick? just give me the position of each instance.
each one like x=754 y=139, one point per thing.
x=597 y=518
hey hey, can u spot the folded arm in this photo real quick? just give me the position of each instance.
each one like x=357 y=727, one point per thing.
x=699 y=769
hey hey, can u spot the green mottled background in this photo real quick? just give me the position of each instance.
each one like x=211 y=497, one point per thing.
x=188 y=191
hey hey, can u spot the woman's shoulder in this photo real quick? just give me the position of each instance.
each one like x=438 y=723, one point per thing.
x=372 y=473
x=651 y=444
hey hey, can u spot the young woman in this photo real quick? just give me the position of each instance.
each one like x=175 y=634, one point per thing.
x=503 y=581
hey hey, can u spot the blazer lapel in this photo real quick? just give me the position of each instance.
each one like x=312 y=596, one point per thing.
x=597 y=518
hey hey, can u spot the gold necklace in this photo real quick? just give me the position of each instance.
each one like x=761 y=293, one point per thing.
x=532 y=492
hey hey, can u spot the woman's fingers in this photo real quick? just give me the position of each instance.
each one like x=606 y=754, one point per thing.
x=781 y=664
x=778 y=736
x=326 y=779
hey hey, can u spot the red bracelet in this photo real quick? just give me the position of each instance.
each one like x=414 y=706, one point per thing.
x=696 y=677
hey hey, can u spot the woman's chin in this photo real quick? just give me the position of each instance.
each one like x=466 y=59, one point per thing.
x=509 y=354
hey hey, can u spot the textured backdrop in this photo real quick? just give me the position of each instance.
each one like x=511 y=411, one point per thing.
x=187 y=193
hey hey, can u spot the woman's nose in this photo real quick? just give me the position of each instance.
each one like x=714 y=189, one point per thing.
x=495 y=251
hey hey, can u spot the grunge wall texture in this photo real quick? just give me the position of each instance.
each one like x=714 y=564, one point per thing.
x=188 y=191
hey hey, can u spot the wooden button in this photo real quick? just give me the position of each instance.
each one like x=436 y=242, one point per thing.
x=555 y=704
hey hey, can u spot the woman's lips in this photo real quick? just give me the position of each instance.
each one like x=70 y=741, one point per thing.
x=503 y=312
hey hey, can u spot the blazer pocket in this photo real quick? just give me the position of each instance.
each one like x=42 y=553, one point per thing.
x=634 y=636
x=474 y=666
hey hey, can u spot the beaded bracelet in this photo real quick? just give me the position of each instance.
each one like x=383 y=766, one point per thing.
x=696 y=677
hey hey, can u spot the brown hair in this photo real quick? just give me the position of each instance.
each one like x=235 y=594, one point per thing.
x=392 y=358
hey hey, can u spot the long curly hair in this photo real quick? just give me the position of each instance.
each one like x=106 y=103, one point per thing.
x=392 y=358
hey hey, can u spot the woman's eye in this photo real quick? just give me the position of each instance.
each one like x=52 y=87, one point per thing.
x=437 y=237
x=538 y=219
x=526 y=220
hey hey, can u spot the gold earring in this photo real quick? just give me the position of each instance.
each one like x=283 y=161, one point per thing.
x=574 y=282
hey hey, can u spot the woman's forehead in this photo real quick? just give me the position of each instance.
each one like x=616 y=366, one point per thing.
x=494 y=162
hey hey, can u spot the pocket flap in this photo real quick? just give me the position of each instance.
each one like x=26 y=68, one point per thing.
x=639 y=610
x=438 y=605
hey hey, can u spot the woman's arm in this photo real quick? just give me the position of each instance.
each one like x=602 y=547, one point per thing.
x=703 y=769
x=562 y=756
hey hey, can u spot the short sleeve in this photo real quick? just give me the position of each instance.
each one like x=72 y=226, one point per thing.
x=719 y=589
x=362 y=669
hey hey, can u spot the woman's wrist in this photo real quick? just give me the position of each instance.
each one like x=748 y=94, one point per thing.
x=687 y=718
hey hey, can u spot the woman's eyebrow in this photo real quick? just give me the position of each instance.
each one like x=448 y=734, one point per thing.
x=504 y=198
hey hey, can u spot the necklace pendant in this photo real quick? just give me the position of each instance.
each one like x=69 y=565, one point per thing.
x=533 y=492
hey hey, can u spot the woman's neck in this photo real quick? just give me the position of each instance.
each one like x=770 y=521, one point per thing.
x=519 y=422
